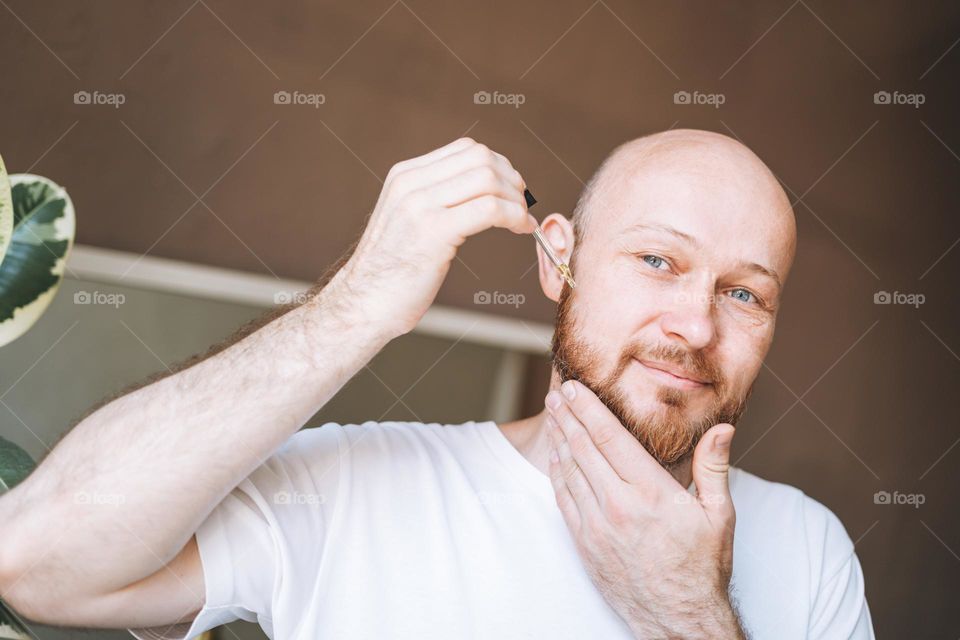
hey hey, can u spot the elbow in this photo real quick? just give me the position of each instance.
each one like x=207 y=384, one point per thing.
x=14 y=585
x=20 y=593
x=34 y=583
x=33 y=580
x=12 y=588
x=18 y=568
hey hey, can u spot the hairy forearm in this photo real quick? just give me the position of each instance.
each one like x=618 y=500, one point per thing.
x=127 y=487
x=711 y=617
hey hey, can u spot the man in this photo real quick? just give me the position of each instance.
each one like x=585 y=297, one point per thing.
x=613 y=513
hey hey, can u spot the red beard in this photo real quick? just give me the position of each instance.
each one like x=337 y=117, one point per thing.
x=669 y=435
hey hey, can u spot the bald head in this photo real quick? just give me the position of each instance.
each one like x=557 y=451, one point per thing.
x=712 y=175
x=681 y=244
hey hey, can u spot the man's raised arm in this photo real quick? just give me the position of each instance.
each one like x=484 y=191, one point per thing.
x=167 y=453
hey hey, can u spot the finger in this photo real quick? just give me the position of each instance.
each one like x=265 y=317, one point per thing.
x=482 y=154
x=624 y=452
x=437 y=154
x=580 y=488
x=472 y=156
x=489 y=211
x=711 y=470
x=596 y=468
x=565 y=502
x=505 y=162
x=470 y=184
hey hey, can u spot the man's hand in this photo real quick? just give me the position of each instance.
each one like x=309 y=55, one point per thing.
x=661 y=557
x=428 y=207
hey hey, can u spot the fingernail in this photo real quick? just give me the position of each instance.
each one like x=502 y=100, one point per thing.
x=569 y=389
x=553 y=400
x=722 y=441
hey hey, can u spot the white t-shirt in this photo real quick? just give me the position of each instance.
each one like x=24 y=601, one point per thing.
x=430 y=531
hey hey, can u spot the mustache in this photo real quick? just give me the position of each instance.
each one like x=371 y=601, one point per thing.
x=697 y=363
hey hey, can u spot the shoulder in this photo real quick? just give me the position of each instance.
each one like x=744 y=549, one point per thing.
x=809 y=550
x=797 y=535
x=788 y=510
x=377 y=442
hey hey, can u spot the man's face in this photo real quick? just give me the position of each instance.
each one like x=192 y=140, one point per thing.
x=691 y=301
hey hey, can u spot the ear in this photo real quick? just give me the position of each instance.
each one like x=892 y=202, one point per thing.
x=559 y=233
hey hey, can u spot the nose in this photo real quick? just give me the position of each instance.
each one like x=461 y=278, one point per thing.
x=691 y=320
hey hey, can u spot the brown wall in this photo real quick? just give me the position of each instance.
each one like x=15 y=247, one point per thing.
x=875 y=383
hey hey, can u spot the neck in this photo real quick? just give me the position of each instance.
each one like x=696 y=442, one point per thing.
x=529 y=436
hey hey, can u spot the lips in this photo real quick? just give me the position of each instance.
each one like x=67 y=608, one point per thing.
x=673 y=374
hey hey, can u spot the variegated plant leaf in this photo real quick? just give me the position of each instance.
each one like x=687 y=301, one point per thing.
x=6 y=211
x=32 y=269
x=15 y=465
x=10 y=627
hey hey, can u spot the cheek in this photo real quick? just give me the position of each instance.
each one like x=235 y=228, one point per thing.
x=619 y=304
x=614 y=325
x=742 y=358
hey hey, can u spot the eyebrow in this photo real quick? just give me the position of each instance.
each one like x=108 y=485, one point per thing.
x=686 y=237
x=762 y=270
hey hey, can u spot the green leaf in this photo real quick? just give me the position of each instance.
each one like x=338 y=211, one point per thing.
x=6 y=211
x=10 y=626
x=44 y=225
x=15 y=465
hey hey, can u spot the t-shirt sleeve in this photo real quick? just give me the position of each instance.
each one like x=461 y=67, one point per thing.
x=839 y=607
x=246 y=544
x=238 y=557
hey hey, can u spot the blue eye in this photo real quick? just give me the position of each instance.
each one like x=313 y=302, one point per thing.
x=654 y=261
x=747 y=293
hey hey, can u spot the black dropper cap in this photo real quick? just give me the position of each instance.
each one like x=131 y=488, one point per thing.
x=529 y=198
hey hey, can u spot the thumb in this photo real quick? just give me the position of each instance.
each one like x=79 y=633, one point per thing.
x=711 y=465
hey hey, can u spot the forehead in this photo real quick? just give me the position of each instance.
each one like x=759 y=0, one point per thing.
x=727 y=209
